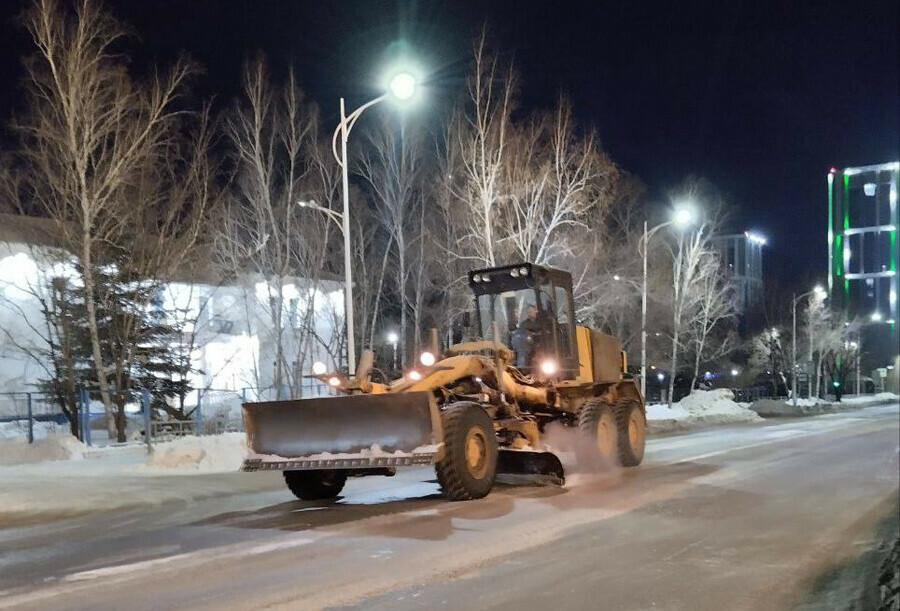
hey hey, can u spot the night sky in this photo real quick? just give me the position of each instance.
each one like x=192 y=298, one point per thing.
x=759 y=97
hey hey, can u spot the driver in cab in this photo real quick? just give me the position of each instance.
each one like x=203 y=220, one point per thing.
x=529 y=333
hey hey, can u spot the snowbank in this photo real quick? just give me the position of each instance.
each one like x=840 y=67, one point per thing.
x=53 y=446
x=701 y=407
x=198 y=454
x=882 y=397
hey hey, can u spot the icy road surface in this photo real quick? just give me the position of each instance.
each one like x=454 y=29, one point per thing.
x=739 y=517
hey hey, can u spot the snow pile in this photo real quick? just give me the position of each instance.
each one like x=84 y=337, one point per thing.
x=53 y=446
x=701 y=407
x=807 y=402
x=199 y=454
x=881 y=397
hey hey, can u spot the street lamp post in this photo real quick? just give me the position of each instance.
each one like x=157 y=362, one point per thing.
x=402 y=86
x=818 y=290
x=392 y=339
x=683 y=217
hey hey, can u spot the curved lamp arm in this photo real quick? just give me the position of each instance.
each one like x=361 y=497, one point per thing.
x=350 y=121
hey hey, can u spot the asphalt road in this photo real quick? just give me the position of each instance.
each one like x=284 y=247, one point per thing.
x=742 y=517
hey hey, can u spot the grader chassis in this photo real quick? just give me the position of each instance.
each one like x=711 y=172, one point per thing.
x=483 y=408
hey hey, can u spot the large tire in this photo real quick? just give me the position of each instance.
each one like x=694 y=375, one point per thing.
x=597 y=422
x=631 y=424
x=315 y=485
x=469 y=466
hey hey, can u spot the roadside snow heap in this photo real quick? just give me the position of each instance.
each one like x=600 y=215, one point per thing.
x=199 y=454
x=701 y=407
x=53 y=446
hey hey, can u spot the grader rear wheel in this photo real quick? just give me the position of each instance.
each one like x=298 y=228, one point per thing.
x=469 y=466
x=597 y=421
x=631 y=426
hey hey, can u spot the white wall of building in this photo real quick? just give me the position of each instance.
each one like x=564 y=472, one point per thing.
x=233 y=334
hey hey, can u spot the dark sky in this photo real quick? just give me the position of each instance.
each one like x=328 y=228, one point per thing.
x=760 y=97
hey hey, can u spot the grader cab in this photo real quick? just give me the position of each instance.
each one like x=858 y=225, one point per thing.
x=483 y=407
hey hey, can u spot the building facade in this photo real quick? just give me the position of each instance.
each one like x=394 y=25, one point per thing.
x=227 y=328
x=863 y=254
x=742 y=255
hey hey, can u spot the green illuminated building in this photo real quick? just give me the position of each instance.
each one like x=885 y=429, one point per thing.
x=863 y=253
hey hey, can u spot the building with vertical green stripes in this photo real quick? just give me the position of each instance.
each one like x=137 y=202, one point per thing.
x=863 y=255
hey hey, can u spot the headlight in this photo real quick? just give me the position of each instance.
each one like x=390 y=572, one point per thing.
x=476 y=278
x=319 y=368
x=548 y=367
x=514 y=273
x=523 y=271
x=334 y=381
x=427 y=359
x=414 y=375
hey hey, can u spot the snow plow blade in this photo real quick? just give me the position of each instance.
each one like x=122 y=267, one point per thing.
x=534 y=466
x=349 y=432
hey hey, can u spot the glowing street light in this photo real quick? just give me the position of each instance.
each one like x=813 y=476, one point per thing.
x=392 y=339
x=402 y=86
x=683 y=215
x=319 y=368
x=876 y=316
x=756 y=238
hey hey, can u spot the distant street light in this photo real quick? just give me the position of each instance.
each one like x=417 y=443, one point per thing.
x=402 y=86
x=392 y=339
x=682 y=216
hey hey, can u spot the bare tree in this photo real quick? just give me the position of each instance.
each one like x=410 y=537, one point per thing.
x=715 y=306
x=393 y=169
x=481 y=132
x=767 y=355
x=555 y=181
x=91 y=136
x=277 y=163
x=827 y=334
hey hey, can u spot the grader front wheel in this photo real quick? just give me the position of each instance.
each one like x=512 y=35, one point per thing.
x=315 y=485
x=469 y=466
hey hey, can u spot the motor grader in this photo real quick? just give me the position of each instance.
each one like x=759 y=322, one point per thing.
x=483 y=407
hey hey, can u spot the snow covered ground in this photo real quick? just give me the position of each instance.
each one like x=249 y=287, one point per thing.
x=700 y=408
x=848 y=399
